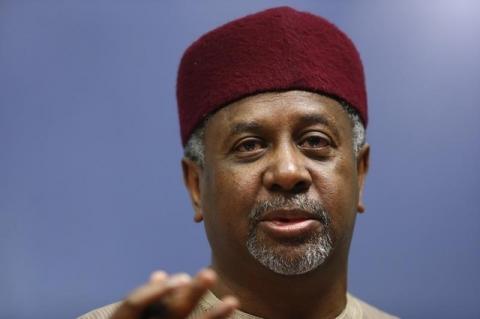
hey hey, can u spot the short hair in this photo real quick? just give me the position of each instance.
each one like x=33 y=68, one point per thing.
x=194 y=149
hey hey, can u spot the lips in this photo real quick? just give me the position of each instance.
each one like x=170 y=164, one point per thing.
x=289 y=223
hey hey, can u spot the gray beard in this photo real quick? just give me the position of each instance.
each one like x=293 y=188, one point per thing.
x=296 y=256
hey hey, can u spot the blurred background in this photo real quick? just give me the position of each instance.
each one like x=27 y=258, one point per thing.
x=91 y=192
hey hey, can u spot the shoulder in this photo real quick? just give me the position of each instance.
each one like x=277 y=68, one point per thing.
x=101 y=313
x=368 y=311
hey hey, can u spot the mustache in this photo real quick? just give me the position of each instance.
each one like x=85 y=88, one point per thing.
x=296 y=202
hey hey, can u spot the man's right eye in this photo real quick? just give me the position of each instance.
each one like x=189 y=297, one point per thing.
x=249 y=145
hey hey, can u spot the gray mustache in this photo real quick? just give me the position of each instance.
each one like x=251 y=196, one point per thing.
x=297 y=202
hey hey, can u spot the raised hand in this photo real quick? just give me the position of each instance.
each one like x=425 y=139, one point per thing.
x=173 y=297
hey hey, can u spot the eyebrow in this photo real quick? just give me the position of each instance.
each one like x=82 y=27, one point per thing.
x=245 y=127
x=309 y=119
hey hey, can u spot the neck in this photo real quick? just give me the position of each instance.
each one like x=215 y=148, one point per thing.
x=320 y=293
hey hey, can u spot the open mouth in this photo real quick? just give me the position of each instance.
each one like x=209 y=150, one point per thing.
x=289 y=223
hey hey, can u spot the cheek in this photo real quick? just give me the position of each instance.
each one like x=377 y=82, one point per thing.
x=230 y=187
x=227 y=198
x=338 y=192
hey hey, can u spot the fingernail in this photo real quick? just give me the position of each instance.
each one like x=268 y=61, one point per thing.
x=158 y=276
x=179 y=279
x=208 y=274
x=231 y=301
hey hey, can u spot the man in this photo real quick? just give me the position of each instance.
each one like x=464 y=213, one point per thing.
x=273 y=114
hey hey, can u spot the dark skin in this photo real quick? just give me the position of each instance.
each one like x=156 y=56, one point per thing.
x=271 y=144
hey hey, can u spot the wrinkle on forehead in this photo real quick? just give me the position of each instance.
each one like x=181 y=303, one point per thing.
x=309 y=101
x=279 y=98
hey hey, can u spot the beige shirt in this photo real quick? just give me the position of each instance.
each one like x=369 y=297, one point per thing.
x=355 y=309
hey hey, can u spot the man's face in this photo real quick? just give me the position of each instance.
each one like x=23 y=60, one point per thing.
x=280 y=182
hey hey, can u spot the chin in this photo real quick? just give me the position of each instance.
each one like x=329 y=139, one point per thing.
x=293 y=257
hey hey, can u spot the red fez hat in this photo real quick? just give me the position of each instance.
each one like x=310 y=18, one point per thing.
x=277 y=49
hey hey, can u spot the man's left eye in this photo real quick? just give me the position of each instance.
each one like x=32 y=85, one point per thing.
x=314 y=141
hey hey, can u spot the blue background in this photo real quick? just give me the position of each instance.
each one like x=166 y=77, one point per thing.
x=91 y=195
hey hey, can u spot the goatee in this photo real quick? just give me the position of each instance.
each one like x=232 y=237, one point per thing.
x=297 y=255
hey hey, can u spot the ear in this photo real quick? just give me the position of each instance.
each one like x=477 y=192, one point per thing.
x=191 y=178
x=363 y=163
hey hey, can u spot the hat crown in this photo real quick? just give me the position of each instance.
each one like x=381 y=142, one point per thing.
x=278 y=49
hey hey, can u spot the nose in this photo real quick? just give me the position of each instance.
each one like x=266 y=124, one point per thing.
x=286 y=172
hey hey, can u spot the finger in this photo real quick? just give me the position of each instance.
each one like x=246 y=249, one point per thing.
x=158 y=276
x=154 y=290
x=223 y=309
x=181 y=302
x=204 y=280
x=139 y=299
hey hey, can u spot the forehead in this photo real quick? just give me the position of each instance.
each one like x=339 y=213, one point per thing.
x=281 y=109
